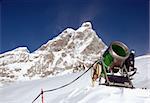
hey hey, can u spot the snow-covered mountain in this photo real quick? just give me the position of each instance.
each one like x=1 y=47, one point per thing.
x=71 y=50
x=81 y=90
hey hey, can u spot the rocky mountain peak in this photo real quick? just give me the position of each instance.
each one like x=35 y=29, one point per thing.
x=87 y=25
x=73 y=50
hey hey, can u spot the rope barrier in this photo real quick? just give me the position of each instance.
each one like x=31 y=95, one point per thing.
x=36 y=98
x=65 y=84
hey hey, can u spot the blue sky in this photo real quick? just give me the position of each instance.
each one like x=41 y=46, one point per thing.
x=32 y=23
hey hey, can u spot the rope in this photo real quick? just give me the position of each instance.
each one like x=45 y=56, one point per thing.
x=36 y=98
x=65 y=84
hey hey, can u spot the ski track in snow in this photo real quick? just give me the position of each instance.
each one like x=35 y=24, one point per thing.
x=81 y=90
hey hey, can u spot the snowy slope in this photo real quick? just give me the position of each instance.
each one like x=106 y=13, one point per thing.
x=72 y=49
x=81 y=90
x=142 y=77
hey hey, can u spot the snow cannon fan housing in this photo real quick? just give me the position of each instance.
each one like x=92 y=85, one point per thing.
x=115 y=56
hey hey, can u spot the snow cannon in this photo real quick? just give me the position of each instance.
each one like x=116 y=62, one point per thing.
x=115 y=56
x=115 y=66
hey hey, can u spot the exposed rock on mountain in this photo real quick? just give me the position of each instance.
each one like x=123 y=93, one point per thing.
x=71 y=50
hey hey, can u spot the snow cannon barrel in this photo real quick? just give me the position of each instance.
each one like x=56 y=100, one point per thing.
x=115 y=55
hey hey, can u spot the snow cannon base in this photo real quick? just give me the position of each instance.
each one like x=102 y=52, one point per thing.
x=118 y=81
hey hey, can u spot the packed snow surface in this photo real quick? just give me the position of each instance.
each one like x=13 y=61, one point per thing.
x=80 y=91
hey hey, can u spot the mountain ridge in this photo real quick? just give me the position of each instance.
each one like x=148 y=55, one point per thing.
x=73 y=50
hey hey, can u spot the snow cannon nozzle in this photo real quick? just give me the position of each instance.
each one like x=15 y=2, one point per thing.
x=116 y=54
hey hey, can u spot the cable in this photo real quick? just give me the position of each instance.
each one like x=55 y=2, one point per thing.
x=65 y=84
x=36 y=98
x=70 y=82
